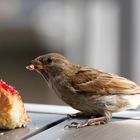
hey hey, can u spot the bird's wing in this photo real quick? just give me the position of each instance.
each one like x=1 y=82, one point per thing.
x=89 y=80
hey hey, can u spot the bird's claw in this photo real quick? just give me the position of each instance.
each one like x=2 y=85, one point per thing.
x=90 y=122
x=74 y=125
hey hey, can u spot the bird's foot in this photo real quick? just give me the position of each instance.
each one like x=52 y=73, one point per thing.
x=80 y=115
x=90 y=122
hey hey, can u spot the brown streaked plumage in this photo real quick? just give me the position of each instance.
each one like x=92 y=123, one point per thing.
x=89 y=90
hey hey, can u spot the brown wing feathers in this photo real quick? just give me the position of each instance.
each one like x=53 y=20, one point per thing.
x=89 y=80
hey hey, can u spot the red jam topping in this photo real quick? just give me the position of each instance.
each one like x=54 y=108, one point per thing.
x=8 y=87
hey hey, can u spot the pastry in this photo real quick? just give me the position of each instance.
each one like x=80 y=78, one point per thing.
x=12 y=110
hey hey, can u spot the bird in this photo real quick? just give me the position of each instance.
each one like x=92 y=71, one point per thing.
x=91 y=91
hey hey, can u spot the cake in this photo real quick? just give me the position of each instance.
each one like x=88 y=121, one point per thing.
x=12 y=110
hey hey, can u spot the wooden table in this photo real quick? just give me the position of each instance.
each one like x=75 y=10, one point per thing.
x=49 y=121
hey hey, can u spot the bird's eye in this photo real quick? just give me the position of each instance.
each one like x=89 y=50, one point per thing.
x=49 y=60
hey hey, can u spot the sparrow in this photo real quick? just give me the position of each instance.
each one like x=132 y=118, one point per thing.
x=89 y=90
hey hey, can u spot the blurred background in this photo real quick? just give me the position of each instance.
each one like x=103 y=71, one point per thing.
x=100 y=33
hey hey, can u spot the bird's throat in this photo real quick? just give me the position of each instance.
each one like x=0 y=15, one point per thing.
x=44 y=74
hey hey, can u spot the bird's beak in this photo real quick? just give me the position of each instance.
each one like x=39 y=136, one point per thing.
x=35 y=66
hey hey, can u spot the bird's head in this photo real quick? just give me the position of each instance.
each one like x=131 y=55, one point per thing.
x=51 y=64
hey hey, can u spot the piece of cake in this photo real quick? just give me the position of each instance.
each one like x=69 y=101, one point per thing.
x=12 y=110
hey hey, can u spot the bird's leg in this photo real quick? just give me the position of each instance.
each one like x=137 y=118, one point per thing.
x=90 y=122
x=80 y=115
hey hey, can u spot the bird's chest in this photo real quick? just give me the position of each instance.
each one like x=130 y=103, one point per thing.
x=63 y=90
x=58 y=85
x=69 y=96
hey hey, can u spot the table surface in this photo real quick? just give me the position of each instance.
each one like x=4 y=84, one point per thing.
x=49 y=121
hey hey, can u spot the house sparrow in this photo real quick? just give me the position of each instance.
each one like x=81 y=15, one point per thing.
x=91 y=91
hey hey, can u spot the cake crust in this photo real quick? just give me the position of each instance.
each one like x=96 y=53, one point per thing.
x=12 y=111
